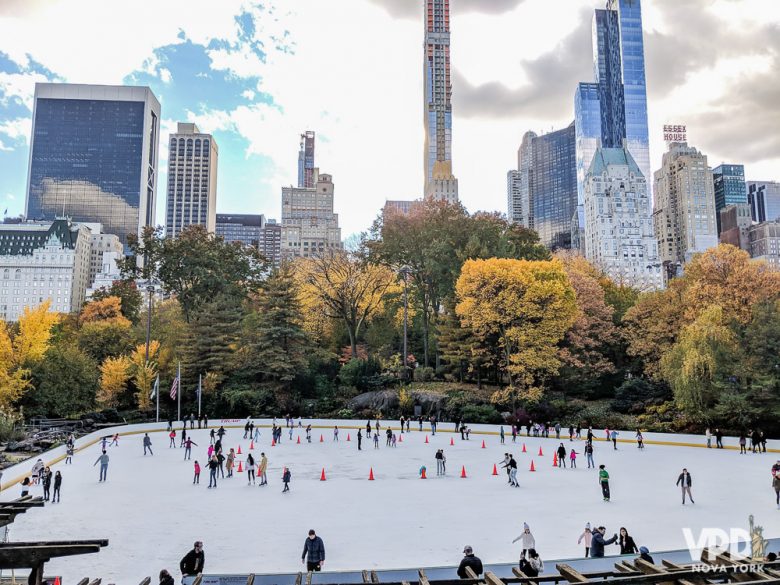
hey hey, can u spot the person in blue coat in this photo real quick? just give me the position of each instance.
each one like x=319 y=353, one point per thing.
x=598 y=542
x=314 y=548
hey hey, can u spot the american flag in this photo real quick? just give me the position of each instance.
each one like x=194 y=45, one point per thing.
x=174 y=387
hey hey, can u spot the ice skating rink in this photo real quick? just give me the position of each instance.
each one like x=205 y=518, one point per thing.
x=151 y=513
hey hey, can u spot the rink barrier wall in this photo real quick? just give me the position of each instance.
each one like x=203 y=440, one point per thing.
x=58 y=454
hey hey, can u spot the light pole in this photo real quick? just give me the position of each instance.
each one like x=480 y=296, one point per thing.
x=405 y=270
x=149 y=289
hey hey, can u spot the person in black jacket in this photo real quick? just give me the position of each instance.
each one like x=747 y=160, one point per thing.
x=684 y=481
x=469 y=560
x=627 y=544
x=192 y=563
x=598 y=543
x=166 y=578
x=315 y=549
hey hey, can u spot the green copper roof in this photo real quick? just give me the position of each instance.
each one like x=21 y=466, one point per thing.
x=605 y=157
x=26 y=238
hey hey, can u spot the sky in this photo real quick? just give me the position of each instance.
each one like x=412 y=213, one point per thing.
x=257 y=74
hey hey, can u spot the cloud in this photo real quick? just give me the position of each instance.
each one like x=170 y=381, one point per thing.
x=414 y=8
x=19 y=87
x=17 y=129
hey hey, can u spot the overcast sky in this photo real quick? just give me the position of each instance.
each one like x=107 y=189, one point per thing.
x=256 y=74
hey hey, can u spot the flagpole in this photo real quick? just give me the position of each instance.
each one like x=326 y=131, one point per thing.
x=158 y=397
x=178 y=394
x=200 y=391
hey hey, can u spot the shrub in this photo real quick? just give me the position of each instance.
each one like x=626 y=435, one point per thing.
x=635 y=394
x=424 y=374
x=10 y=427
x=359 y=372
x=480 y=414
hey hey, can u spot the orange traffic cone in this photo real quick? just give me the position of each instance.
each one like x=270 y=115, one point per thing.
x=532 y=466
x=348 y=439
x=56 y=581
x=322 y=477
x=251 y=445
x=483 y=443
x=371 y=475
x=495 y=469
x=239 y=450
x=273 y=442
x=240 y=469
x=555 y=459
x=463 y=472
x=524 y=451
x=299 y=440
x=540 y=451
x=321 y=439
x=422 y=475
x=400 y=438
x=426 y=438
x=452 y=442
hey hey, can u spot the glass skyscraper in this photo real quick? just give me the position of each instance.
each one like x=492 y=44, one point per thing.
x=93 y=156
x=587 y=125
x=730 y=188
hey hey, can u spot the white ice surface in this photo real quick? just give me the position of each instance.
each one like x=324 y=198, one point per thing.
x=151 y=513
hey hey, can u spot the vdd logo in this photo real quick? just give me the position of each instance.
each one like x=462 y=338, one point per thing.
x=736 y=541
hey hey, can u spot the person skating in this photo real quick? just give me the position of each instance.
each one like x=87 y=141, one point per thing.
x=513 y=471
x=69 y=454
x=640 y=441
x=257 y=434
x=589 y=435
x=742 y=444
x=644 y=554
x=221 y=433
x=470 y=561
x=528 y=540
x=250 y=469
x=262 y=469
x=172 y=439
x=762 y=441
x=230 y=462
x=376 y=440
x=221 y=463
x=558 y=431
x=708 y=435
x=439 y=462
x=505 y=464
x=213 y=469
x=57 y=487
x=196 y=477
x=286 y=477
x=776 y=487
x=377 y=426
x=46 y=481
x=147 y=444
x=578 y=432
x=571 y=433
x=115 y=441
x=501 y=435
x=335 y=434
x=359 y=439
x=626 y=542
x=212 y=436
x=104 y=443
x=514 y=433
x=165 y=577
x=308 y=433
x=290 y=433
x=598 y=542
x=684 y=481
x=389 y=436
x=183 y=437
x=368 y=429
x=562 y=454
x=604 y=481
x=246 y=429
x=36 y=471
x=718 y=439
x=313 y=552
x=613 y=435
x=103 y=460
x=589 y=454
x=193 y=562
x=776 y=468
x=188 y=448
x=573 y=459
x=586 y=536
x=402 y=421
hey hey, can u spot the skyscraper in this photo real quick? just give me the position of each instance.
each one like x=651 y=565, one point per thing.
x=684 y=214
x=619 y=235
x=192 y=180
x=438 y=105
x=241 y=227
x=587 y=130
x=729 y=184
x=514 y=204
x=764 y=200
x=309 y=226
x=93 y=156
x=306 y=160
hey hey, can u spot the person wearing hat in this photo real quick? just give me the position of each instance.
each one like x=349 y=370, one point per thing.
x=587 y=537
x=528 y=539
x=192 y=563
x=469 y=560
x=315 y=549
x=644 y=554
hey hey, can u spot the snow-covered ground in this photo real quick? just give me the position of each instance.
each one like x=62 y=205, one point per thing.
x=151 y=513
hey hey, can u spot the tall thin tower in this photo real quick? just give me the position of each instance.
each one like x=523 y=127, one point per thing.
x=306 y=161
x=439 y=181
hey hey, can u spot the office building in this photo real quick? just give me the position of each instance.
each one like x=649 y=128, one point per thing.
x=729 y=185
x=192 y=180
x=102 y=248
x=438 y=104
x=765 y=243
x=735 y=225
x=764 y=200
x=93 y=156
x=684 y=212
x=306 y=161
x=239 y=227
x=309 y=225
x=42 y=261
x=271 y=243
x=514 y=204
x=619 y=236
x=587 y=131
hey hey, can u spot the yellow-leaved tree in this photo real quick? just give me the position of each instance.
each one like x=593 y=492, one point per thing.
x=114 y=374
x=105 y=310
x=530 y=305
x=144 y=372
x=34 y=335
x=13 y=379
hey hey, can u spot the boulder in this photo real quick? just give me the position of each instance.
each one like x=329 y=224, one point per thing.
x=386 y=401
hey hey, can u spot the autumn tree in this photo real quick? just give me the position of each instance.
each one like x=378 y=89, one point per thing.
x=129 y=296
x=35 y=332
x=104 y=331
x=114 y=374
x=343 y=286
x=144 y=372
x=529 y=305
x=14 y=380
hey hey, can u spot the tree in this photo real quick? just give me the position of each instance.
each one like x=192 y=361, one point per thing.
x=65 y=382
x=14 y=381
x=114 y=374
x=106 y=310
x=529 y=305
x=144 y=372
x=32 y=340
x=104 y=330
x=196 y=266
x=345 y=287
x=129 y=295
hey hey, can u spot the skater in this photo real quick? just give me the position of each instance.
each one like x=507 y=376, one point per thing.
x=558 y=431
x=613 y=435
x=392 y=440
x=209 y=451
x=573 y=459
x=742 y=444
x=514 y=433
x=708 y=435
x=684 y=481
x=718 y=439
x=46 y=481
x=183 y=436
x=250 y=469
x=335 y=434
x=587 y=537
x=589 y=435
x=571 y=433
x=246 y=429
x=221 y=433
x=762 y=441
x=368 y=429
x=192 y=421
x=527 y=539
x=188 y=448
x=262 y=468
x=627 y=544
x=205 y=421
x=308 y=434
x=314 y=548
x=402 y=424
x=257 y=434
x=578 y=432
x=562 y=455
x=469 y=560
x=103 y=460
x=505 y=465
x=439 y=465
x=69 y=454
x=420 y=422
x=513 y=472
x=359 y=440
x=104 y=443
x=292 y=429
x=604 y=481
x=147 y=444
x=376 y=440
x=501 y=435
x=286 y=477
x=213 y=468
x=36 y=472
x=408 y=422
x=776 y=487
x=640 y=442
x=196 y=477
x=57 y=487
x=231 y=458
x=115 y=441
x=25 y=487
x=589 y=454
x=598 y=542
x=377 y=426
x=644 y=554
x=221 y=463
x=389 y=436
x=212 y=436
x=172 y=437
x=170 y=424
x=193 y=561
